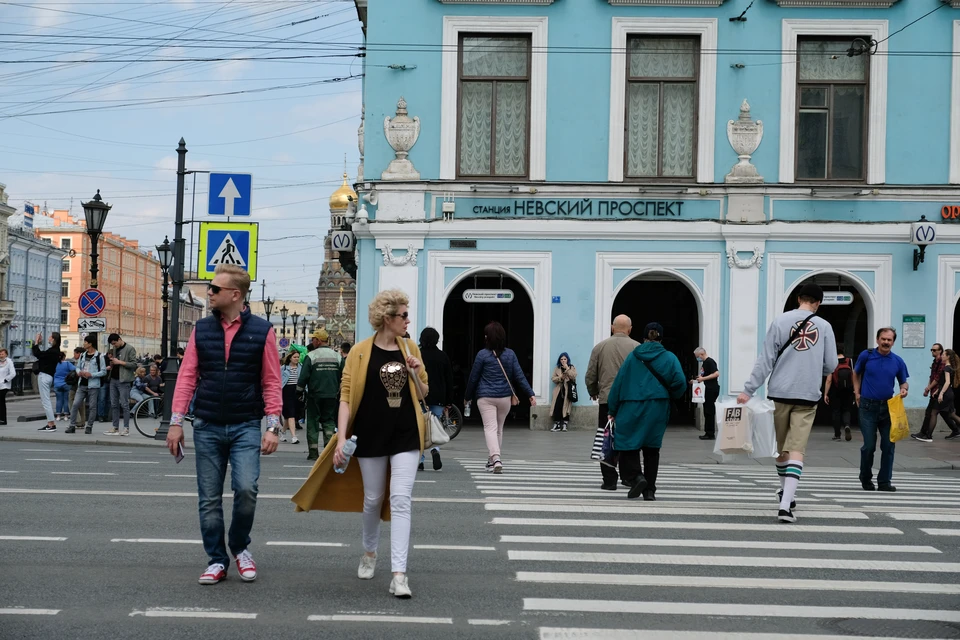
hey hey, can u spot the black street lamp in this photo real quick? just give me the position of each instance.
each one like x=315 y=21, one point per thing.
x=165 y=255
x=295 y=317
x=268 y=307
x=304 y=331
x=283 y=316
x=95 y=213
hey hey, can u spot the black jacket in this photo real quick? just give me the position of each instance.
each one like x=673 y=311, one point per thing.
x=49 y=359
x=440 y=373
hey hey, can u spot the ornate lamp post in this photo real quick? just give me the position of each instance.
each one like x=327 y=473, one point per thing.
x=268 y=307
x=295 y=316
x=95 y=213
x=165 y=255
x=283 y=316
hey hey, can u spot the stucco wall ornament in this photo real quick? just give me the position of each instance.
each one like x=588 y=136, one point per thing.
x=744 y=135
x=363 y=118
x=409 y=259
x=735 y=261
x=402 y=133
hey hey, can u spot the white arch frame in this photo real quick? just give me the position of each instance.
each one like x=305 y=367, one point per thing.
x=877 y=300
x=947 y=296
x=506 y=263
x=669 y=264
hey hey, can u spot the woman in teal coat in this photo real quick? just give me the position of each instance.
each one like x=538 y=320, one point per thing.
x=640 y=403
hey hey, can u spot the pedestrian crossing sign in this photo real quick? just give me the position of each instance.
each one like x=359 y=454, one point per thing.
x=227 y=243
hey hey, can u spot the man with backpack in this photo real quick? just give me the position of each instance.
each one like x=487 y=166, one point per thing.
x=840 y=385
x=91 y=368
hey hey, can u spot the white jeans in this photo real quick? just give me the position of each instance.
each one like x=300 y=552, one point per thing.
x=45 y=385
x=403 y=469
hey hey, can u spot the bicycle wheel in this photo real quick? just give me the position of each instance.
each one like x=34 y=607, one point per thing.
x=147 y=415
x=452 y=421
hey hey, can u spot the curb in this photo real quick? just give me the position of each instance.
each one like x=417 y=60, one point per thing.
x=33 y=418
x=112 y=442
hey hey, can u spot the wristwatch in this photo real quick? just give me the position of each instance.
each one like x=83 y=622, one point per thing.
x=274 y=430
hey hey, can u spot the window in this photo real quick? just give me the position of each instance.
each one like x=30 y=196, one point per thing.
x=65 y=243
x=494 y=104
x=661 y=104
x=831 y=110
x=65 y=266
x=64 y=316
x=65 y=289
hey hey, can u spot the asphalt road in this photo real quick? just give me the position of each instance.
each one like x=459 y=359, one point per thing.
x=103 y=542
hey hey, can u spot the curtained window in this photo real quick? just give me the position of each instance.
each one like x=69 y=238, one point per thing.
x=494 y=124
x=661 y=118
x=831 y=110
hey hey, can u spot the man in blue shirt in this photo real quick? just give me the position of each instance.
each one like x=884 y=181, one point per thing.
x=874 y=376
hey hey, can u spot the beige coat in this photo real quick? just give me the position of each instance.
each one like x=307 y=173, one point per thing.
x=563 y=379
x=605 y=361
x=329 y=491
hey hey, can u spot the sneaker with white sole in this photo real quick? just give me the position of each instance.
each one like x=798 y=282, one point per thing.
x=112 y=432
x=246 y=566
x=125 y=432
x=47 y=428
x=786 y=516
x=295 y=441
x=367 y=567
x=215 y=573
x=400 y=587
x=497 y=467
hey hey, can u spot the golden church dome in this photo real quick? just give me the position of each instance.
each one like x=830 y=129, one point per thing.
x=339 y=200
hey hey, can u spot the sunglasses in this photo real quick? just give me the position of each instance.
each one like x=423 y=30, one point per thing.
x=935 y=350
x=214 y=288
x=403 y=315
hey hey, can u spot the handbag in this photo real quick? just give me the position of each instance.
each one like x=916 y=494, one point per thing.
x=573 y=391
x=514 y=400
x=434 y=435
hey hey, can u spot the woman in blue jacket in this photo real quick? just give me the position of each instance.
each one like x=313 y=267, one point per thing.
x=61 y=388
x=639 y=401
x=496 y=373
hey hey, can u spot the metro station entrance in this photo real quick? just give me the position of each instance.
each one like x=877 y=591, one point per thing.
x=664 y=299
x=463 y=324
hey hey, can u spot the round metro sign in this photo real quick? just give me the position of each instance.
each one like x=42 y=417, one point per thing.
x=92 y=303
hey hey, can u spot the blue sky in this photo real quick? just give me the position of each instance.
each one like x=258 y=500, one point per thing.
x=111 y=87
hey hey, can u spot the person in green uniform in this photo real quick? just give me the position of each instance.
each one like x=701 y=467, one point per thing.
x=319 y=381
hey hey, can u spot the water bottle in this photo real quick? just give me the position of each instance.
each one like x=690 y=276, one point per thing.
x=349 y=447
x=466 y=410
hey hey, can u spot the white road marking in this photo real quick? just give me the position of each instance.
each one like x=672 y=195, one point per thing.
x=925 y=517
x=110 y=452
x=721 y=544
x=283 y=478
x=2 y=471
x=298 y=466
x=188 y=613
x=33 y=538
x=736 y=610
x=41 y=450
x=555 y=633
x=599 y=493
x=941 y=532
x=81 y=473
x=644 y=580
x=133 y=462
x=420 y=481
x=46 y=460
x=14 y=611
x=156 y=541
x=280 y=543
x=594 y=481
x=180 y=475
x=641 y=509
x=706 y=526
x=452 y=547
x=180 y=494
x=733 y=561
x=481 y=622
x=379 y=618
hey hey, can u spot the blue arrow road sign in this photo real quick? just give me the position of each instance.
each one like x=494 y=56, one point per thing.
x=92 y=302
x=230 y=194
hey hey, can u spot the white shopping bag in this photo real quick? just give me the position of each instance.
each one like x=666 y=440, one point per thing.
x=760 y=440
x=698 y=392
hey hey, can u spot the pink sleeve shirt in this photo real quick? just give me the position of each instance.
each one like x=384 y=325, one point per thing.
x=269 y=374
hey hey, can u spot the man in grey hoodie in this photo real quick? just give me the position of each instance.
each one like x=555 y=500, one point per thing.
x=799 y=350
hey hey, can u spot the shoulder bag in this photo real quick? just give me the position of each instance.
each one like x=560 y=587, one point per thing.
x=434 y=434
x=514 y=400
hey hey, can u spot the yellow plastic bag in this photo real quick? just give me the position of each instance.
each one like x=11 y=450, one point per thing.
x=899 y=427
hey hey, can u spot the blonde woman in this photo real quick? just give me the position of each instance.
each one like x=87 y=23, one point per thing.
x=380 y=406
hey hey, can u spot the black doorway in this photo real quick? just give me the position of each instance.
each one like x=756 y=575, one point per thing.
x=668 y=301
x=463 y=324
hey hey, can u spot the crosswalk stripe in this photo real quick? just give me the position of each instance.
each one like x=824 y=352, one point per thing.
x=693 y=526
x=698 y=543
x=732 y=561
x=600 y=493
x=736 y=610
x=642 y=509
x=924 y=517
x=941 y=532
x=555 y=633
x=697 y=582
x=592 y=480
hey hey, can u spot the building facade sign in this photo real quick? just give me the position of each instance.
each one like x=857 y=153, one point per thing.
x=586 y=208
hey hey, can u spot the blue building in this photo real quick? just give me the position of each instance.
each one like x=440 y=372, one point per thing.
x=34 y=282
x=686 y=161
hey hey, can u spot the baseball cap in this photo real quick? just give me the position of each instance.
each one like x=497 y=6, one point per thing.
x=811 y=290
x=321 y=335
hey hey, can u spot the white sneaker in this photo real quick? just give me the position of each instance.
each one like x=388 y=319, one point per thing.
x=112 y=432
x=283 y=437
x=246 y=566
x=367 y=566
x=125 y=432
x=400 y=587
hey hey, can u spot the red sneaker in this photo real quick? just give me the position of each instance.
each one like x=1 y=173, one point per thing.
x=215 y=573
x=246 y=566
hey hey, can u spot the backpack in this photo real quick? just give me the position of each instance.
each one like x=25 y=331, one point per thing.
x=843 y=375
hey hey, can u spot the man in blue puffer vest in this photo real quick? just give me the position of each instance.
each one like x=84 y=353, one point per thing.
x=233 y=365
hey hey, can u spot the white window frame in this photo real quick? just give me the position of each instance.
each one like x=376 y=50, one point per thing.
x=449 y=117
x=955 y=108
x=706 y=29
x=877 y=90
x=69 y=243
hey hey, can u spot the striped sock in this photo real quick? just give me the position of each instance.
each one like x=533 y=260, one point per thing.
x=782 y=472
x=791 y=479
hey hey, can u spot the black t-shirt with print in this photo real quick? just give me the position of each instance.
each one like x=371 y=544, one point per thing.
x=710 y=367
x=383 y=430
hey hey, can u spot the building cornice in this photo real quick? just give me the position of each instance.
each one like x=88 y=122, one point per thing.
x=841 y=4
x=666 y=3
x=540 y=2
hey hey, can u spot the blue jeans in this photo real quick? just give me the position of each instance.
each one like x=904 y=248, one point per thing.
x=215 y=444
x=875 y=418
x=63 y=400
x=103 y=400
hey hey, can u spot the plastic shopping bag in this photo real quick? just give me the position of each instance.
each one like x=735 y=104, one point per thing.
x=698 y=393
x=899 y=426
x=761 y=440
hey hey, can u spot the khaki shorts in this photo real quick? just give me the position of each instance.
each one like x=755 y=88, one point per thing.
x=793 y=423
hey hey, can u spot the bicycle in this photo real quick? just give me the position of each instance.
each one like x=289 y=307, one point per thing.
x=452 y=421
x=146 y=416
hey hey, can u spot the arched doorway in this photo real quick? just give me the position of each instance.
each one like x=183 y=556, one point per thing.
x=956 y=328
x=463 y=323
x=849 y=315
x=659 y=297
